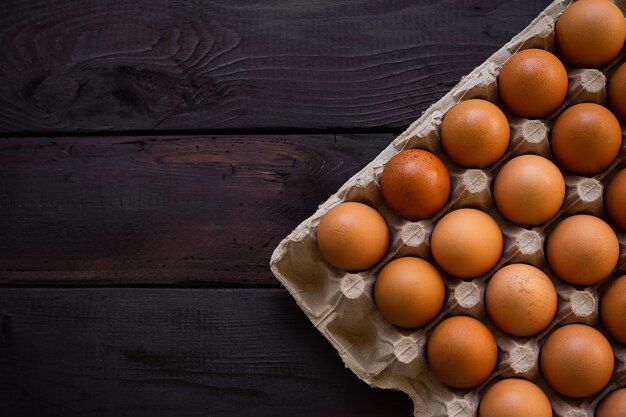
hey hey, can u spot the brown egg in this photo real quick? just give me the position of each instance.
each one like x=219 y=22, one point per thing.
x=586 y=138
x=590 y=33
x=521 y=300
x=475 y=133
x=352 y=236
x=616 y=92
x=462 y=352
x=615 y=199
x=613 y=405
x=409 y=292
x=466 y=243
x=577 y=360
x=582 y=250
x=532 y=83
x=515 y=397
x=415 y=184
x=529 y=190
x=613 y=309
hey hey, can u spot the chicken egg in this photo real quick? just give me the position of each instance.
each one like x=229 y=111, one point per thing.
x=462 y=352
x=532 y=83
x=577 y=360
x=466 y=243
x=615 y=199
x=529 y=190
x=582 y=250
x=352 y=236
x=415 y=184
x=613 y=405
x=409 y=292
x=613 y=309
x=586 y=138
x=521 y=300
x=590 y=33
x=616 y=92
x=514 y=397
x=475 y=133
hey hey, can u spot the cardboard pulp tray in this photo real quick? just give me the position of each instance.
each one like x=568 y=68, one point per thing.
x=341 y=304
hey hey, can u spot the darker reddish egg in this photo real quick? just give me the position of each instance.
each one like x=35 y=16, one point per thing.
x=415 y=184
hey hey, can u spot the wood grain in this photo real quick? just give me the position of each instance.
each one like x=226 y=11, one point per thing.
x=191 y=210
x=164 y=352
x=158 y=65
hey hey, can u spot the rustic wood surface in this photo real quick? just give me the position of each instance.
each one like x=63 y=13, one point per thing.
x=173 y=143
x=157 y=353
x=190 y=210
x=115 y=65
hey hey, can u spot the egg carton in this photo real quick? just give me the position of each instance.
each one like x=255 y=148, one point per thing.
x=341 y=304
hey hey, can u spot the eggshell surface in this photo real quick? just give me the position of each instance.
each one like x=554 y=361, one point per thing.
x=616 y=92
x=577 y=360
x=615 y=199
x=352 y=236
x=409 y=292
x=582 y=250
x=466 y=243
x=590 y=33
x=613 y=405
x=521 y=300
x=514 y=397
x=586 y=138
x=529 y=190
x=613 y=309
x=532 y=83
x=475 y=133
x=462 y=352
x=415 y=184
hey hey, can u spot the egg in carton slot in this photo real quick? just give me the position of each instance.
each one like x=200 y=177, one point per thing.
x=341 y=304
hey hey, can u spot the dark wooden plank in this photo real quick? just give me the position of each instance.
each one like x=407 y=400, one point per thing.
x=160 y=352
x=204 y=210
x=96 y=65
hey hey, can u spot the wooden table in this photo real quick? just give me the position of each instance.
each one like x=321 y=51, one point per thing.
x=153 y=154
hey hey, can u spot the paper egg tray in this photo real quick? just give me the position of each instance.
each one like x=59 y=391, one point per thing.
x=341 y=305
